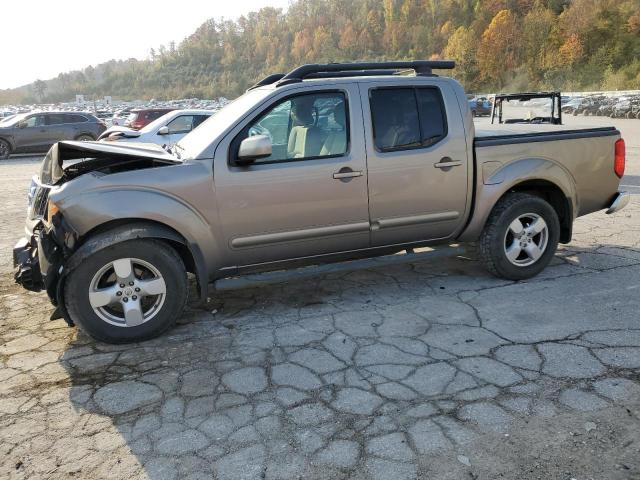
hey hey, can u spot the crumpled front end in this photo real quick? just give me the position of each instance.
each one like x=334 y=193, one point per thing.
x=38 y=257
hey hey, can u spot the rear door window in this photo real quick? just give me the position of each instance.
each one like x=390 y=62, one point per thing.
x=76 y=118
x=407 y=118
x=395 y=119
x=433 y=122
x=56 y=119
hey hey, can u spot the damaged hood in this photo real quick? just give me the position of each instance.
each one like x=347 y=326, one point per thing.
x=99 y=154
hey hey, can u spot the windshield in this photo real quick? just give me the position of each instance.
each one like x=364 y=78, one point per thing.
x=194 y=143
x=9 y=122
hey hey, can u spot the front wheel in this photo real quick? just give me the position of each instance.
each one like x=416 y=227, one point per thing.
x=127 y=292
x=520 y=237
x=5 y=149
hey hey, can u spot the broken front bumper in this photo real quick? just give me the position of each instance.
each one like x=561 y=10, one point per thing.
x=37 y=261
x=619 y=202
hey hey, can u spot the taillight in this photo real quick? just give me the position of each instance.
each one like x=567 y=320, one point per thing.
x=619 y=158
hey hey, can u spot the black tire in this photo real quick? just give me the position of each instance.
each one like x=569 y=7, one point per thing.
x=495 y=236
x=156 y=253
x=5 y=149
x=473 y=113
x=85 y=137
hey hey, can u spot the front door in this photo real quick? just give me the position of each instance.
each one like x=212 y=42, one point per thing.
x=310 y=196
x=417 y=158
x=33 y=133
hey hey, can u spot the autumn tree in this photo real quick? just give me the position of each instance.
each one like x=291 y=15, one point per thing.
x=499 y=48
x=461 y=47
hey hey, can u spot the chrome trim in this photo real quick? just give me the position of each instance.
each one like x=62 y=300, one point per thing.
x=621 y=201
x=306 y=234
x=416 y=219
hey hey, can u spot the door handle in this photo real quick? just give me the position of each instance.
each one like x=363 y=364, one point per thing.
x=346 y=172
x=446 y=162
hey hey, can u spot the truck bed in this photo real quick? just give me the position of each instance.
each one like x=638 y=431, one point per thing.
x=577 y=159
x=488 y=135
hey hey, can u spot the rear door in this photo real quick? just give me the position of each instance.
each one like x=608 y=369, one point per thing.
x=417 y=161
x=58 y=128
x=310 y=196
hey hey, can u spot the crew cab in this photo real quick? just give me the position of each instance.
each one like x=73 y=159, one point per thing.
x=326 y=163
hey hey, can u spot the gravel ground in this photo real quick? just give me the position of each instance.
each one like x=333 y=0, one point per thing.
x=416 y=368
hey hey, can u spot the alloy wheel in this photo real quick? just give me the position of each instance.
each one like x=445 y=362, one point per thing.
x=127 y=292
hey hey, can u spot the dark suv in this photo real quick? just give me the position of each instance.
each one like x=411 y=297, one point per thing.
x=138 y=119
x=36 y=132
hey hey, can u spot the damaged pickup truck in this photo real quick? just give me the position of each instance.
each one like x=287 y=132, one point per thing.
x=326 y=163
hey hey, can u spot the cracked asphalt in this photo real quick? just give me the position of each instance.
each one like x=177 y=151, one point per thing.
x=402 y=369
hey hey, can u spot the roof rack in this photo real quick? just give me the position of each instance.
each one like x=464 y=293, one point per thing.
x=421 y=67
x=357 y=73
x=268 y=80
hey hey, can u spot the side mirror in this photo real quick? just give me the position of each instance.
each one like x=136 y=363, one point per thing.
x=22 y=125
x=163 y=130
x=253 y=148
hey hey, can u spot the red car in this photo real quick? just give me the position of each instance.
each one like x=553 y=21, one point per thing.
x=138 y=119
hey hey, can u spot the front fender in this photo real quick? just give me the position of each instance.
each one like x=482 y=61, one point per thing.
x=86 y=212
x=494 y=179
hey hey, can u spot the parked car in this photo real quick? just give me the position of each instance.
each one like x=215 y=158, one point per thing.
x=138 y=119
x=120 y=117
x=572 y=105
x=36 y=132
x=480 y=107
x=362 y=166
x=606 y=107
x=621 y=107
x=166 y=130
x=591 y=105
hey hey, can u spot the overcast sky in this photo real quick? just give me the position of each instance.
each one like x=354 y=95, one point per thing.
x=41 y=38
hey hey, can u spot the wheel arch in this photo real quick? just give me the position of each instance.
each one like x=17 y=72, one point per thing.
x=83 y=133
x=536 y=176
x=552 y=194
x=122 y=230
x=9 y=139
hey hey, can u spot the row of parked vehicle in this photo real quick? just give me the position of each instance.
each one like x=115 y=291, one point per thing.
x=34 y=132
x=627 y=106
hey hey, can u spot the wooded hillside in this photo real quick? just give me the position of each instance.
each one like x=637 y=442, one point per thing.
x=498 y=45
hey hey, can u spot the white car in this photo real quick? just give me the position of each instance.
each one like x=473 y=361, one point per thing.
x=120 y=117
x=166 y=130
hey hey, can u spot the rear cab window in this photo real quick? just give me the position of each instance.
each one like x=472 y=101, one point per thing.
x=407 y=118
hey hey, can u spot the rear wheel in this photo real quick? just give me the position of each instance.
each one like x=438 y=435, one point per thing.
x=520 y=237
x=474 y=113
x=130 y=291
x=5 y=149
x=85 y=137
